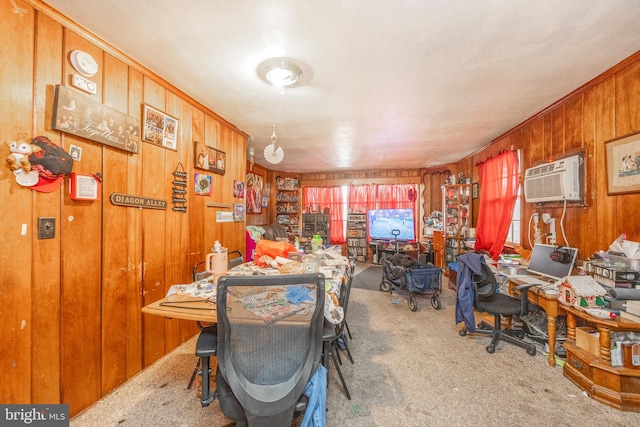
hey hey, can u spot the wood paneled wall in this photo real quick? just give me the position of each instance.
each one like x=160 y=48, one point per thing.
x=72 y=328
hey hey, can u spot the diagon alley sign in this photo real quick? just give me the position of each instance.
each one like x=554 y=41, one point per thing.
x=137 y=201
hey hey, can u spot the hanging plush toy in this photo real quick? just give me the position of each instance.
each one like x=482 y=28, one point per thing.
x=19 y=156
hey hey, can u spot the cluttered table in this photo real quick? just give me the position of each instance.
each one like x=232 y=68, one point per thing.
x=196 y=301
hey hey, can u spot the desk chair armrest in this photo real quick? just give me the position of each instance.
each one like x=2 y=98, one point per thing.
x=524 y=296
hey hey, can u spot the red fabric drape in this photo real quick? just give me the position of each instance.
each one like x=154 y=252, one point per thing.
x=328 y=197
x=499 y=179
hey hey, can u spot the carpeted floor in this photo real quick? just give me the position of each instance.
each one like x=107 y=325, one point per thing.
x=411 y=369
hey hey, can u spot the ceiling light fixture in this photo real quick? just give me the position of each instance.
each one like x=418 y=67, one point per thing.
x=273 y=154
x=280 y=72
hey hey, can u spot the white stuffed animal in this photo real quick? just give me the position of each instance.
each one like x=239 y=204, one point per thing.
x=19 y=156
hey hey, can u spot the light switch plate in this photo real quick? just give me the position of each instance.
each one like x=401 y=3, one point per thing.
x=46 y=228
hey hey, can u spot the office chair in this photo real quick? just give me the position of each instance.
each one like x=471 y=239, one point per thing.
x=234 y=259
x=486 y=299
x=267 y=351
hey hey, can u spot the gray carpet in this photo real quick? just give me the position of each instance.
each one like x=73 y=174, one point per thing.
x=411 y=369
x=368 y=278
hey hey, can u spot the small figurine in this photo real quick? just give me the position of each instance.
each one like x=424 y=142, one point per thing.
x=19 y=156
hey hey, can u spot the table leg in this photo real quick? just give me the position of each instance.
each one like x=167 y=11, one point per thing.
x=551 y=331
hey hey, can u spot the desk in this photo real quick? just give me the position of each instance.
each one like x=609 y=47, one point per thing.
x=551 y=306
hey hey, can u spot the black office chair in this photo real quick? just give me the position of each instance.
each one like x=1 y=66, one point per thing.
x=499 y=305
x=267 y=353
x=234 y=259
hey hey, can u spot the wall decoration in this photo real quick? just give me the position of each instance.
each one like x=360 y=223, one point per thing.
x=474 y=190
x=179 y=189
x=202 y=184
x=208 y=158
x=224 y=216
x=160 y=128
x=137 y=201
x=75 y=152
x=238 y=189
x=238 y=212
x=79 y=114
x=623 y=164
x=265 y=202
x=84 y=186
x=254 y=193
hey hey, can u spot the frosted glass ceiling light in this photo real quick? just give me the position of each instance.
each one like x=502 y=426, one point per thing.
x=280 y=72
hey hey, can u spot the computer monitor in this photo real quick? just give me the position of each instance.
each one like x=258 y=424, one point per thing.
x=551 y=261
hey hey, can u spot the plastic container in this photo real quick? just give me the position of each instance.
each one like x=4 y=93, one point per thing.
x=311 y=264
x=316 y=243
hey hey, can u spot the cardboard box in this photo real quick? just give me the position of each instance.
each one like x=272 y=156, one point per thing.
x=588 y=339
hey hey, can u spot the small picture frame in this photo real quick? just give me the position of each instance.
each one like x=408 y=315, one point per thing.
x=84 y=186
x=160 y=128
x=474 y=190
x=623 y=164
x=208 y=158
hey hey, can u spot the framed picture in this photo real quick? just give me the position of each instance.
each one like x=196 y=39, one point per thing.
x=208 y=158
x=474 y=190
x=238 y=189
x=160 y=128
x=254 y=193
x=79 y=114
x=623 y=164
x=238 y=212
x=202 y=184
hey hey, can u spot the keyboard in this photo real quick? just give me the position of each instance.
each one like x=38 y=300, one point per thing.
x=525 y=278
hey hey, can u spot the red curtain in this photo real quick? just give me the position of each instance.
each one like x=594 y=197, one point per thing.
x=499 y=180
x=328 y=197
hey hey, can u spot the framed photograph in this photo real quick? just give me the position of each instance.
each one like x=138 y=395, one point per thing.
x=160 y=128
x=474 y=190
x=238 y=189
x=84 y=186
x=254 y=193
x=208 y=158
x=79 y=114
x=238 y=212
x=623 y=164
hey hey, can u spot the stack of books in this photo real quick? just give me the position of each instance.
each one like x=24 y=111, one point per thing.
x=631 y=312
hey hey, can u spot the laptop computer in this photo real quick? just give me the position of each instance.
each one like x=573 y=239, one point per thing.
x=548 y=264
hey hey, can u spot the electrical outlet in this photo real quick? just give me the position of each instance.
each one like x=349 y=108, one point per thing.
x=46 y=228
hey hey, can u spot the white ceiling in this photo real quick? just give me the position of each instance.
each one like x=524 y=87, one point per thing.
x=388 y=84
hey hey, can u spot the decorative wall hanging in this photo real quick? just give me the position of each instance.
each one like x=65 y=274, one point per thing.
x=84 y=186
x=137 y=201
x=238 y=212
x=179 y=189
x=208 y=158
x=238 y=189
x=160 y=128
x=254 y=193
x=623 y=164
x=202 y=184
x=79 y=114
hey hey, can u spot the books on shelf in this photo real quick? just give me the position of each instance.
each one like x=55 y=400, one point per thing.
x=633 y=307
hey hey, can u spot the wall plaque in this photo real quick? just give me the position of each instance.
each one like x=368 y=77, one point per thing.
x=137 y=201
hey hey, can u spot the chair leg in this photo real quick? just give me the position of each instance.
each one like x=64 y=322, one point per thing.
x=344 y=384
x=207 y=396
x=194 y=374
x=346 y=325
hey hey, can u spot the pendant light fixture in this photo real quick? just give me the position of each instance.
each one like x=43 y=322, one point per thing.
x=273 y=154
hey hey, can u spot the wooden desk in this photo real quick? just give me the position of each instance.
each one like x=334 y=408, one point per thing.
x=553 y=309
x=180 y=306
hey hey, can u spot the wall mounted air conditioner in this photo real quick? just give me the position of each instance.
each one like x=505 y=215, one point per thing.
x=553 y=182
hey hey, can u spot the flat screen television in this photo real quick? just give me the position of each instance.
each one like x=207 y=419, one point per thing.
x=541 y=261
x=382 y=221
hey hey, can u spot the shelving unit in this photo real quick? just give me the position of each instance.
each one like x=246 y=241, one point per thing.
x=456 y=211
x=287 y=203
x=315 y=223
x=357 y=236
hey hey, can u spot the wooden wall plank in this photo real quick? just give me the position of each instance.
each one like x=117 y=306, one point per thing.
x=114 y=238
x=46 y=267
x=134 y=235
x=16 y=228
x=81 y=266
